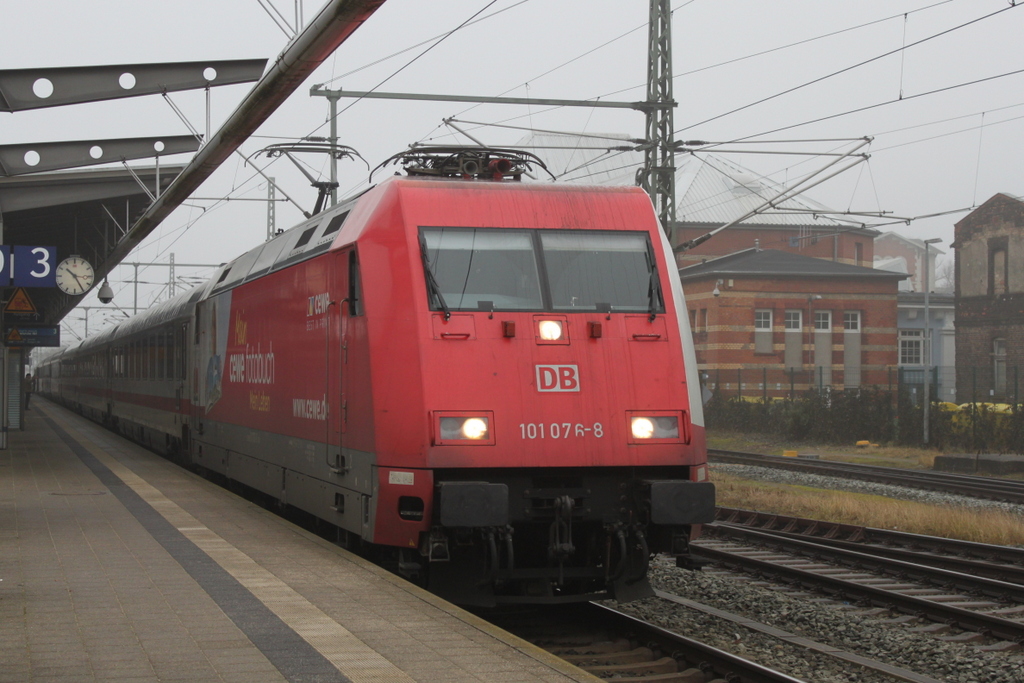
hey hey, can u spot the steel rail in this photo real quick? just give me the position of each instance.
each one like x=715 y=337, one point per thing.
x=992 y=626
x=800 y=641
x=910 y=570
x=978 y=487
x=704 y=656
x=335 y=22
x=1005 y=563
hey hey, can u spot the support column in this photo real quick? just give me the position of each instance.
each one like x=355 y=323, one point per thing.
x=659 y=172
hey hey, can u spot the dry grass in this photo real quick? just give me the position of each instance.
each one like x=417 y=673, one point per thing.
x=982 y=526
x=886 y=456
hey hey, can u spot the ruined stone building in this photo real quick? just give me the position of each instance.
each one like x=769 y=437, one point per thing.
x=989 y=298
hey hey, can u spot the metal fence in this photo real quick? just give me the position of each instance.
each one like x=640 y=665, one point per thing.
x=969 y=409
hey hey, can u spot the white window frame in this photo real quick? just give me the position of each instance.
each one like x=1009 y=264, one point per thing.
x=794 y=325
x=827 y=315
x=912 y=339
x=851 y=321
x=759 y=320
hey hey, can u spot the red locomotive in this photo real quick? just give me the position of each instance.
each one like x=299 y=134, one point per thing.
x=493 y=382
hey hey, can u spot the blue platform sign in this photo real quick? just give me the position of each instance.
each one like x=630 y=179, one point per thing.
x=27 y=266
x=32 y=335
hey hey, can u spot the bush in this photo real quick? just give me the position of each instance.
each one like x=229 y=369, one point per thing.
x=831 y=417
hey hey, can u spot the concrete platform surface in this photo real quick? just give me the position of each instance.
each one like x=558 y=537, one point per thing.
x=116 y=565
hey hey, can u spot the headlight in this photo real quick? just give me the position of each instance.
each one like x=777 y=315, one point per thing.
x=474 y=428
x=549 y=330
x=642 y=428
x=464 y=428
x=662 y=427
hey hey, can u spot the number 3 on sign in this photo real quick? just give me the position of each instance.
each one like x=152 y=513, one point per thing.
x=30 y=267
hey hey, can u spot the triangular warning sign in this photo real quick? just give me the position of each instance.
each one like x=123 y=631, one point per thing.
x=20 y=302
x=14 y=335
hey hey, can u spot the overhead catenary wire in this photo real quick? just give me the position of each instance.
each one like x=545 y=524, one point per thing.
x=730 y=61
x=848 y=68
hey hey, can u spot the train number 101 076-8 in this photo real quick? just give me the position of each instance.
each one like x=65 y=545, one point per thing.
x=558 y=430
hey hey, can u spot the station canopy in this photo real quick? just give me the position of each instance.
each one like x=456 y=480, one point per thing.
x=83 y=212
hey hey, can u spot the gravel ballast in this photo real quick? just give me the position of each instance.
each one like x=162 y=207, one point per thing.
x=825 y=622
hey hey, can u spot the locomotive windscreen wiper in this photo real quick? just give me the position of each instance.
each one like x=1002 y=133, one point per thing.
x=432 y=285
x=654 y=290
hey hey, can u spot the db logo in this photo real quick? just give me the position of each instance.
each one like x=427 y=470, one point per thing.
x=558 y=378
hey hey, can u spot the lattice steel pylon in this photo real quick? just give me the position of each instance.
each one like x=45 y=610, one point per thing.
x=658 y=175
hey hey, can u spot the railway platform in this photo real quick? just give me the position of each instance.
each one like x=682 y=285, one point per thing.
x=117 y=565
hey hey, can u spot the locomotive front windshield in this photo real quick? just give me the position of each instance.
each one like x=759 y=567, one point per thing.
x=474 y=269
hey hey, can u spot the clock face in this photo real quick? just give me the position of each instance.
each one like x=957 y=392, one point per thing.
x=74 y=275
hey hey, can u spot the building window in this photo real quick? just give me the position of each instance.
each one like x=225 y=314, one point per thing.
x=911 y=347
x=693 y=319
x=793 y=320
x=999 y=272
x=763 y=332
x=823 y=321
x=999 y=366
x=851 y=349
x=858 y=253
x=704 y=320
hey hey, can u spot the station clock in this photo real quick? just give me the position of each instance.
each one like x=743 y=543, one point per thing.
x=75 y=275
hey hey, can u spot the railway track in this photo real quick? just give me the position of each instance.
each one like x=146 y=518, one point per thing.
x=984 y=608
x=613 y=645
x=1004 y=563
x=989 y=488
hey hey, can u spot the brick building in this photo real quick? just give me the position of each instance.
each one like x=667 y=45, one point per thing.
x=768 y=323
x=912 y=251
x=989 y=244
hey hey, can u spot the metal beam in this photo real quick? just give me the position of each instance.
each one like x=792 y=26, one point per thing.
x=658 y=176
x=56 y=156
x=330 y=28
x=22 y=89
x=475 y=99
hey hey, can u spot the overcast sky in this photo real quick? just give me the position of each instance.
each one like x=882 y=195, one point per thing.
x=932 y=153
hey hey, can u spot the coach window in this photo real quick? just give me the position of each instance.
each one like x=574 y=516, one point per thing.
x=171 y=350
x=155 y=359
x=136 y=361
x=137 y=356
x=180 y=353
x=164 y=352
